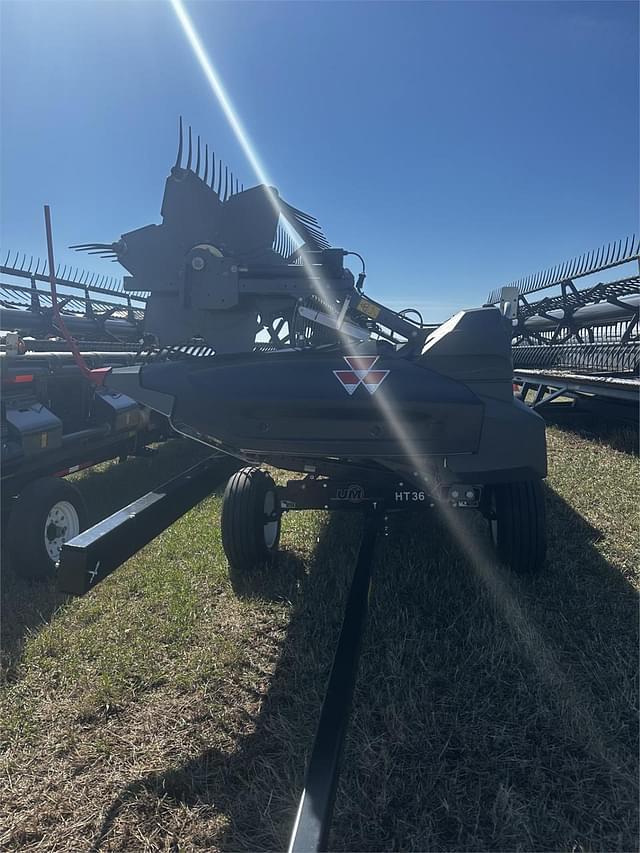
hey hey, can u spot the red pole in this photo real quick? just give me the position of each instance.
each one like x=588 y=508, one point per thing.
x=97 y=376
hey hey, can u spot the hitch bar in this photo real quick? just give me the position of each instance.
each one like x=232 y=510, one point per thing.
x=315 y=809
x=91 y=556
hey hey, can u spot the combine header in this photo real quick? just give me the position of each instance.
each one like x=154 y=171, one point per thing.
x=263 y=345
x=114 y=322
x=54 y=421
x=583 y=344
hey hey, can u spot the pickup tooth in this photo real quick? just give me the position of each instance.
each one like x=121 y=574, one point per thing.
x=178 y=163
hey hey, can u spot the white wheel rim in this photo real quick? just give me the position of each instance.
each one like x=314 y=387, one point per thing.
x=62 y=524
x=270 y=527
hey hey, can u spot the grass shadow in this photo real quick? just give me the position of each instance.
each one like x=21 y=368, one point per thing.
x=623 y=436
x=491 y=713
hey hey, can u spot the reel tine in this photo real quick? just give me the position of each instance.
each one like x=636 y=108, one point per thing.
x=206 y=162
x=236 y=186
x=178 y=163
x=608 y=255
x=24 y=258
x=190 y=152
x=618 y=250
x=226 y=179
x=231 y=184
x=219 y=178
x=213 y=168
x=198 y=157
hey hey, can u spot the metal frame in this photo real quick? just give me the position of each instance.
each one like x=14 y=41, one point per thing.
x=610 y=255
x=100 y=550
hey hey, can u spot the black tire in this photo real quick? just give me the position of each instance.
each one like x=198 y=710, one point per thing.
x=250 y=523
x=517 y=525
x=47 y=513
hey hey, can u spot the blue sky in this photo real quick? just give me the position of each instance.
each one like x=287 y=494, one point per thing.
x=455 y=145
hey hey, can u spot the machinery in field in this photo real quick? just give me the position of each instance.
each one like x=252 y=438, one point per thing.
x=269 y=350
x=261 y=343
x=582 y=345
x=53 y=421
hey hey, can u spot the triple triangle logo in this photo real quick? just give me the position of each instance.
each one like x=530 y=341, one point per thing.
x=361 y=372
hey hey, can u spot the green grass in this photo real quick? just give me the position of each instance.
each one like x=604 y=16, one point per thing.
x=491 y=712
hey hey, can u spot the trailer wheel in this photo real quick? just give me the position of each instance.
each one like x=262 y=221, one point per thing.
x=47 y=514
x=250 y=523
x=517 y=525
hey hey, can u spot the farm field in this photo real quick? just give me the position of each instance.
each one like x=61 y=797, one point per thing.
x=492 y=712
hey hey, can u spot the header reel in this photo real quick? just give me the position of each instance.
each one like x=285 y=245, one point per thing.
x=228 y=264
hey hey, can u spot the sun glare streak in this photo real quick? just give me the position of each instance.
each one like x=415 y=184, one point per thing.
x=478 y=556
x=219 y=91
x=244 y=140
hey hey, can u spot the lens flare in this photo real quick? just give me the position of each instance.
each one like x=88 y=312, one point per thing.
x=244 y=140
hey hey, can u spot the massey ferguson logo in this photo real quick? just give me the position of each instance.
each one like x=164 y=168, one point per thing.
x=361 y=372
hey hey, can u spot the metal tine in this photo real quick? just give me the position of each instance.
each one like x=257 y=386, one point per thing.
x=618 y=248
x=580 y=269
x=226 y=179
x=24 y=258
x=213 y=168
x=190 y=150
x=585 y=265
x=609 y=253
x=16 y=259
x=30 y=264
x=219 y=178
x=7 y=258
x=236 y=185
x=178 y=163
x=206 y=162
x=198 y=157
x=241 y=188
x=626 y=246
x=576 y=265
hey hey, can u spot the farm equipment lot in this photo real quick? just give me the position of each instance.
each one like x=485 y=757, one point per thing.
x=492 y=712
